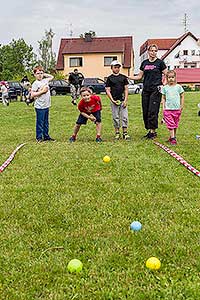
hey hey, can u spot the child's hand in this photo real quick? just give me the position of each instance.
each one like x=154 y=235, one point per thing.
x=115 y=102
x=124 y=104
x=44 y=89
x=92 y=118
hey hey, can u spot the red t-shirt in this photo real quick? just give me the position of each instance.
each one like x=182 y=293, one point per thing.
x=93 y=105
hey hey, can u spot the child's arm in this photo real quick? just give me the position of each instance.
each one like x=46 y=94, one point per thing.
x=182 y=100
x=90 y=117
x=41 y=91
x=109 y=95
x=49 y=77
x=125 y=96
x=163 y=101
x=100 y=103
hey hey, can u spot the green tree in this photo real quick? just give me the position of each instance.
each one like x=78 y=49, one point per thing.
x=16 y=59
x=47 y=56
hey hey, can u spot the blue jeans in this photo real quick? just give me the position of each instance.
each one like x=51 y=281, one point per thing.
x=42 y=123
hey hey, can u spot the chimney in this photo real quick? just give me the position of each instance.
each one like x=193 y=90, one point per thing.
x=88 y=37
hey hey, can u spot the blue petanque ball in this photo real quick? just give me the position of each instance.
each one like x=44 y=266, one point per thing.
x=136 y=226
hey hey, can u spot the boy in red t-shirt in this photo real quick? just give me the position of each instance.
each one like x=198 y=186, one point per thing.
x=90 y=108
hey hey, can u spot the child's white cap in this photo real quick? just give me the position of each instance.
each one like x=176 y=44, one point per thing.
x=115 y=63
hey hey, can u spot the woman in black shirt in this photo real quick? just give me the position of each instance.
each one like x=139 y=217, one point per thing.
x=151 y=70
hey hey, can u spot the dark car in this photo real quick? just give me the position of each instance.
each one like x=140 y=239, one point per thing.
x=57 y=87
x=15 y=85
x=97 y=84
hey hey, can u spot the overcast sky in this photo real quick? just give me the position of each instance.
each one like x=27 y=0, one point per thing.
x=142 y=19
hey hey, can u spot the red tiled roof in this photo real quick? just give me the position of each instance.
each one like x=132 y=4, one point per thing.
x=178 y=41
x=123 y=45
x=163 y=44
x=188 y=75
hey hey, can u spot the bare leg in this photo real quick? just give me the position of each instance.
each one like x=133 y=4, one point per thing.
x=76 y=129
x=124 y=129
x=98 y=129
x=172 y=134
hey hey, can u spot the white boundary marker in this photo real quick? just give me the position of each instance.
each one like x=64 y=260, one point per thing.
x=10 y=158
x=179 y=158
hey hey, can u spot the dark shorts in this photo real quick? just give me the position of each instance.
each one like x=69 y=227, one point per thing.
x=83 y=120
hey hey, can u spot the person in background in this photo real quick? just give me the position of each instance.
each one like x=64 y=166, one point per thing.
x=151 y=70
x=26 y=88
x=117 y=92
x=173 y=101
x=4 y=92
x=75 y=79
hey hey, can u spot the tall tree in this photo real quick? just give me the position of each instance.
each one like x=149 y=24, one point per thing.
x=47 y=56
x=16 y=59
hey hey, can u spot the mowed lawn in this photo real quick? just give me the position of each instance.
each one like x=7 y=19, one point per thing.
x=60 y=201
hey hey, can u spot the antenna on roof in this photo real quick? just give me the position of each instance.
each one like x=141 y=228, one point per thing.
x=70 y=31
x=185 y=22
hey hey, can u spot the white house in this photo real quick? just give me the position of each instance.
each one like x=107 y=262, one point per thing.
x=182 y=52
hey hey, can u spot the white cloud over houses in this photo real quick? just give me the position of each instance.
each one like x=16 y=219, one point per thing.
x=143 y=19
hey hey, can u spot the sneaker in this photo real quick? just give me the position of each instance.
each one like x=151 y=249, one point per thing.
x=126 y=137
x=173 y=141
x=39 y=141
x=146 y=136
x=117 y=136
x=49 y=140
x=152 y=135
x=99 y=140
x=7 y=103
x=72 y=139
x=73 y=102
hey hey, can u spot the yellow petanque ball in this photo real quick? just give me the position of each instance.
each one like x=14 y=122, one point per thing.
x=74 y=266
x=153 y=263
x=106 y=159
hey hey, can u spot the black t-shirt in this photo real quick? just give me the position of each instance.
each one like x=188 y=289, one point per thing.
x=117 y=84
x=74 y=79
x=152 y=73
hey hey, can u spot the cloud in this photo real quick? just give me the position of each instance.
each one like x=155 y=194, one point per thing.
x=143 y=19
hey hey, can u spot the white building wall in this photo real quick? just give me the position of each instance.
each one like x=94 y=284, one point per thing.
x=192 y=59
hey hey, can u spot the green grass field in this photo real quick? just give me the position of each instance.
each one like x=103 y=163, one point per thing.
x=63 y=195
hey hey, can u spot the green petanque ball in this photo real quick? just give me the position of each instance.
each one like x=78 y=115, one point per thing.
x=75 y=266
x=118 y=102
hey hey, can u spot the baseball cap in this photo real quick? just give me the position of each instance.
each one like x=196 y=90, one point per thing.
x=115 y=63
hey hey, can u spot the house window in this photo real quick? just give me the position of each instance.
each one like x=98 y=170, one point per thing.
x=185 y=52
x=192 y=52
x=76 y=62
x=109 y=59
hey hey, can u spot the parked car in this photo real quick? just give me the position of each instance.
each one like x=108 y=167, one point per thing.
x=57 y=87
x=133 y=88
x=16 y=86
x=97 y=84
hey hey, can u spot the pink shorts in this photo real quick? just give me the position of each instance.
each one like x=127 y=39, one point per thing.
x=172 y=118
